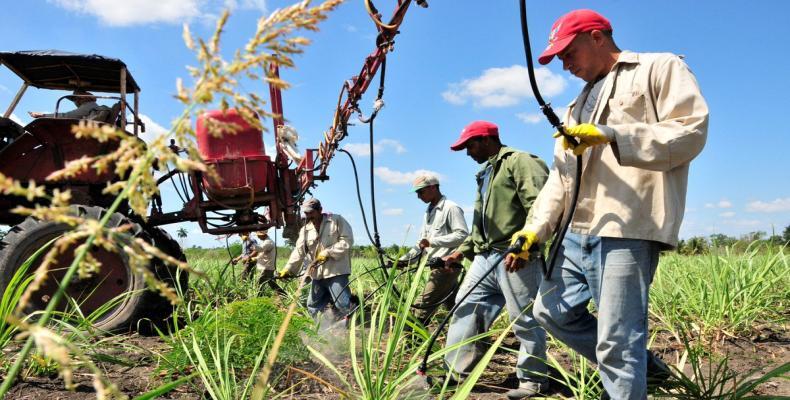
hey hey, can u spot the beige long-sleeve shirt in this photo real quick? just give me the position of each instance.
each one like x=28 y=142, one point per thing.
x=335 y=236
x=266 y=253
x=444 y=227
x=634 y=187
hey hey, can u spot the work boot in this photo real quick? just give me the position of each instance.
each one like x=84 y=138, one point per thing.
x=528 y=389
x=658 y=373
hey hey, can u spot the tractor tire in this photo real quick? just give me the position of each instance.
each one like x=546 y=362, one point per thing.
x=114 y=278
x=160 y=311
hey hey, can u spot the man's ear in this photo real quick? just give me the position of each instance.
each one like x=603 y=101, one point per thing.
x=598 y=37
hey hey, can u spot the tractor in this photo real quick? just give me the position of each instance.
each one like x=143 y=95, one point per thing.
x=254 y=190
x=251 y=180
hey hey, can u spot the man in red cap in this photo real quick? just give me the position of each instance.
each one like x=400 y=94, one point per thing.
x=507 y=185
x=639 y=122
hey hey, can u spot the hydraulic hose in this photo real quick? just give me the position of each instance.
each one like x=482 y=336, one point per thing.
x=515 y=248
x=561 y=228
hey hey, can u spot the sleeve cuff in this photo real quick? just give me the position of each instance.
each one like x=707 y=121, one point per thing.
x=608 y=132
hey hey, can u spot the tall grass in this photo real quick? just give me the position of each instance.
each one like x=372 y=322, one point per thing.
x=723 y=294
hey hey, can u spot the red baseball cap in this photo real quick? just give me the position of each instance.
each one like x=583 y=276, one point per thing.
x=567 y=27
x=473 y=130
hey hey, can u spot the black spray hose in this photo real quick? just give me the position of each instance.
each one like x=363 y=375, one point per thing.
x=432 y=263
x=513 y=249
x=359 y=194
x=369 y=271
x=376 y=291
x=376 y=237
x=445 y=298
x=564 y=222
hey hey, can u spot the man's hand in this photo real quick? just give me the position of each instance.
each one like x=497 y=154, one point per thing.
x=423 y=244
x=322 y=256
x=284 y=274
x=587 y=134
x=453 y=258
x=530 y=238
x=513 y=263
x=35 y=114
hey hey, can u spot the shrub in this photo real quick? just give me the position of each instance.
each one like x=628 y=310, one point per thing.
x=251 y=321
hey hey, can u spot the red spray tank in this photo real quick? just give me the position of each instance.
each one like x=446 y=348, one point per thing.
x=238 y=156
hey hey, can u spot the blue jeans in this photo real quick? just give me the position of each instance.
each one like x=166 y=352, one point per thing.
x=516 y=292
x=333 y=291
x=616 y=274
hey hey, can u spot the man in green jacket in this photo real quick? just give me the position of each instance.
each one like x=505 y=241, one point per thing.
x=507 y=185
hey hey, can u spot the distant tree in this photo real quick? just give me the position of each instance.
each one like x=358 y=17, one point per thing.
x=721 y=240
x=786 y=234
x=693 y=246
x=4 y=232
x=182 y=235
x=753 y=236
x=776 y=240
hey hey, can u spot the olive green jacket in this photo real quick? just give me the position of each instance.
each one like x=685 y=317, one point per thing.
x=516 y=180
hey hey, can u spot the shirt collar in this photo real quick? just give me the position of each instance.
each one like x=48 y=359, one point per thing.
x=439 y=205
x=627 y=57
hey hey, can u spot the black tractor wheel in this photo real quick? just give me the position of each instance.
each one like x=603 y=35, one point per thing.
x=142 y=307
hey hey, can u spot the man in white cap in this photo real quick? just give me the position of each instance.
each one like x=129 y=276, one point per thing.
x=325 y=240
x=266 y=254
x=443 y=229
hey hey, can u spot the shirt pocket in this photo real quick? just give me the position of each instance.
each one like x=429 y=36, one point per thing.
x=627 y=109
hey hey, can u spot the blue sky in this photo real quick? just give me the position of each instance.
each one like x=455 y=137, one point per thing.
x=455 y=62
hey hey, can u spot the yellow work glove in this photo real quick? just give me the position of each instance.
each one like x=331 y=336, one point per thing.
x=322 y=256
x=530 y=239
x=587 y=135
x=284 y=273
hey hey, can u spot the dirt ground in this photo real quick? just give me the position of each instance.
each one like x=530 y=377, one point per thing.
x=763 y=352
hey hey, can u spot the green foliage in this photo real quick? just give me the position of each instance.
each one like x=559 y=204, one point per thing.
x=722 y=240
x=722 y=294
x=701 y=245
x=693 y=246
x=250 y=322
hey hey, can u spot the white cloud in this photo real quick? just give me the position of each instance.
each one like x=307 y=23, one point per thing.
x=503 y=87
x=393 y=211
x=350 y=28
x=246 y=5
x=778 y=205
x=16 y=119
x=137 y=12
x=529 y=118
x=401 y=178
x=152 y=129
x=536 y=118
x=363 y=149
x=727 y=214
x=723 y=203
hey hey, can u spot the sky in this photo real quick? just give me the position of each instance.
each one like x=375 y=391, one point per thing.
x=454 y=62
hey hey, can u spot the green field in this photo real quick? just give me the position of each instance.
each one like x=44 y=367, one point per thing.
x=720 y=319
